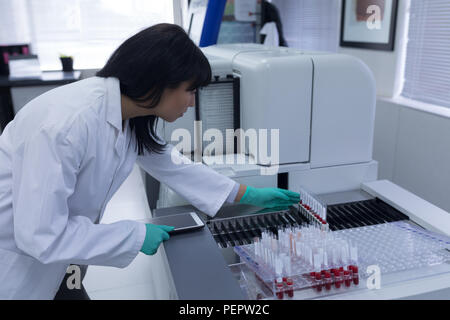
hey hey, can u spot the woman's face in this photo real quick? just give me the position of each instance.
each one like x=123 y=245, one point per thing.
x=175 y=102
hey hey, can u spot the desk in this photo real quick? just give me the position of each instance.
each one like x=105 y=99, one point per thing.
x=197 y=267
x=15 y=93
x=199 y=270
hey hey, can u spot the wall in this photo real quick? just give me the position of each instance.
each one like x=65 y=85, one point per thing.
x=411 y=139
x=387 y=66
x=411 y=144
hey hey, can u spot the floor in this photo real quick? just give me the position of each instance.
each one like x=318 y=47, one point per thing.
x=146 y=277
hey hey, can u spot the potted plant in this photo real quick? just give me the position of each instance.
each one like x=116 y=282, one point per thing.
x=67 y=62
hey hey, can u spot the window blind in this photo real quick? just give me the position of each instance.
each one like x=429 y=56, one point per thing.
x=310 y=24
x=427 y=70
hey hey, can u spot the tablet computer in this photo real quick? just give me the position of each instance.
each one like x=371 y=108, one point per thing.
x=182 y=222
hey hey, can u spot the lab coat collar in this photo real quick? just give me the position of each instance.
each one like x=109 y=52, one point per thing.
x=113 y=107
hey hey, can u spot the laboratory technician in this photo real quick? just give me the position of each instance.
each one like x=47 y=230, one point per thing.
x=66 y=153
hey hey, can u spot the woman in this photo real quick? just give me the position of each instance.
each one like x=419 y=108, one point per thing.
x=67 y=152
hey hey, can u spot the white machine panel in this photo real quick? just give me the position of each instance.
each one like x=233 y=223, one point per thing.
x=343 y=111
x=276 y=91
x=424 y=213
x=333 y=179
x=229 y=51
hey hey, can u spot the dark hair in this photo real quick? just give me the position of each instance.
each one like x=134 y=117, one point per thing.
x=162 y=56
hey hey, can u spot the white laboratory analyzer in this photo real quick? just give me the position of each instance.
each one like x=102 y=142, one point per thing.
x=311 y=115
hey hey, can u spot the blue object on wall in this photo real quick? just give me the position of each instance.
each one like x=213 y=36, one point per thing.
x=211 y=25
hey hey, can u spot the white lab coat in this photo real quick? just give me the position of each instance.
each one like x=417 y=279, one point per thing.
x=61 y=160
x=271 y=31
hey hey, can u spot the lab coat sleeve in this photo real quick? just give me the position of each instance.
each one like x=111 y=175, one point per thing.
x=45 y=172
x=203 y=187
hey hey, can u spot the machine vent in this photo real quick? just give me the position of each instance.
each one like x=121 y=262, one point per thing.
x=242 y=230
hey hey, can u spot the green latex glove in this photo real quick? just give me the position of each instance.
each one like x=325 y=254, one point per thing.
x=154 y=236
x=269 y=197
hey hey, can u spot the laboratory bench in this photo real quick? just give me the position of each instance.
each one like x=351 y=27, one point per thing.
x=15 y=93
x=200 y=270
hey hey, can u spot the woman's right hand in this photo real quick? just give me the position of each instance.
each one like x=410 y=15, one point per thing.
x=269 y=197
x=154 y=236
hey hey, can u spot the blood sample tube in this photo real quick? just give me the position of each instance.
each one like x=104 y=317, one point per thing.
x=347 y=278
x=337 y=278
x=318 y=282
x=328 y=281
x=279 y=290
x=350 y=272
x=290 y=287
x=335 y=261
x=355 y=275
x=312 y=276
x=325 y=265
x=354 y=264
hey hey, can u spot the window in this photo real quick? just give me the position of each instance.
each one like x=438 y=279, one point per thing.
x=427 y=70
x=88 y=30
x=14 y=28
x=310 y=24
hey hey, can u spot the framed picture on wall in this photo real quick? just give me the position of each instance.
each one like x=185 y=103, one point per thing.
x=369 y=24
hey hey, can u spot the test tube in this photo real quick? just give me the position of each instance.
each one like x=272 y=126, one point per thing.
x=325 y=265
x=347 y=262
x=318 y=274
x=290 y=287
x=308 y=202
x=279 y=290
x=287 y=265
x=320 y=258
x=279 y=280
x=335 y=259
x=310 y=257
x=337 y=278
x=355 y=275
x=344 y=254
x=318 y=282
x=317 y=210
x=347 y=278
x=323 y=226
x=255 y=247
x=354 y=264
x=328 y=281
